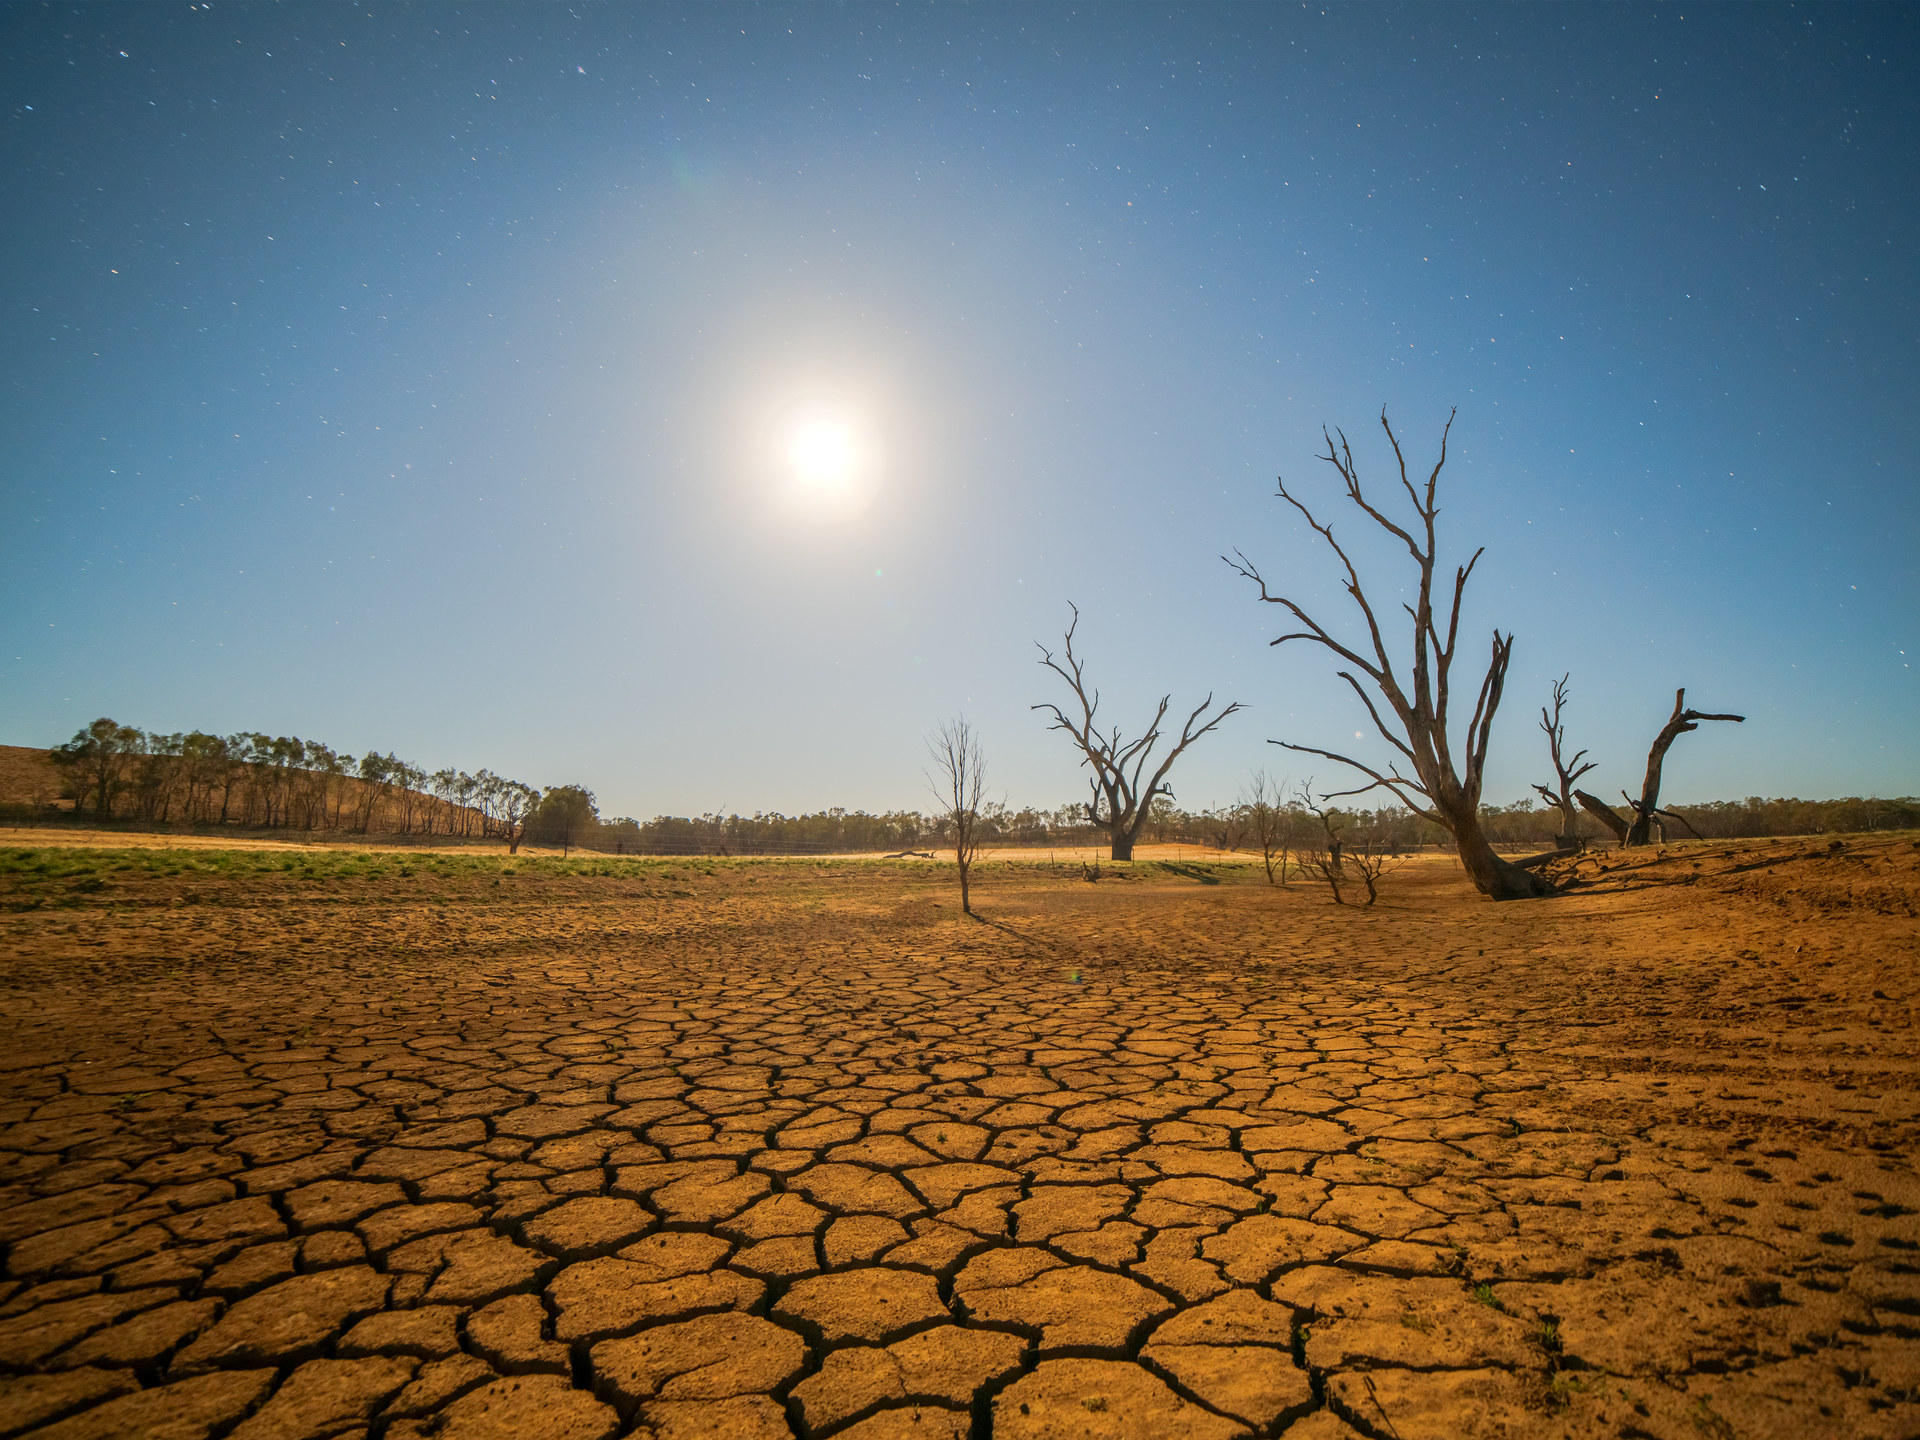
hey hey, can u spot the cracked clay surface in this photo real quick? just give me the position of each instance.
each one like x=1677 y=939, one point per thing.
x=769 y=1149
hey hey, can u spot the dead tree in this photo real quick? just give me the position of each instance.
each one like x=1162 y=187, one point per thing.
x=1118 y=766
x=1333 y=861
x=1604 y=813
x=1439 y=790
x=959 y=781
x=1646 y=810
x=1320 y=858
x=1367 y=864
x=1264 y=805
x=1568 y=771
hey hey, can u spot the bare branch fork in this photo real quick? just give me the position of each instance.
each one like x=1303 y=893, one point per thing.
x=1263 y=803
x=1415 y=725
x=1118 y=764
x=1647 y=807
x=1330 y=860
x=959 y=783
x=1561 y=796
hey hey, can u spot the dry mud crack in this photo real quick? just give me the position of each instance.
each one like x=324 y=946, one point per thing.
x=783 y=1150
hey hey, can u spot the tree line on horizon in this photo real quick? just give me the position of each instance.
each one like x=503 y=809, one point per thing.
x=119 y=773
x=252 y=780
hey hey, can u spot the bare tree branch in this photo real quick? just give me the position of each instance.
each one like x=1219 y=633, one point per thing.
x=1118 y=766
x=1676 y=815
x=1414 y=724
x=1396 y=784
x=1602 y=812
x=1648 y=805
x=1566 y=772
x=958 y=782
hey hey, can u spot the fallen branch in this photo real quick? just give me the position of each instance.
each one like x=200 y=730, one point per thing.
x=1534 y=862
x=1604 y=813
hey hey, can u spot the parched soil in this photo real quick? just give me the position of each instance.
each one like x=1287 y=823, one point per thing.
x=544 y=1149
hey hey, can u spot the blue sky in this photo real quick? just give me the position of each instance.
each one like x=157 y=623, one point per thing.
x=418 y=379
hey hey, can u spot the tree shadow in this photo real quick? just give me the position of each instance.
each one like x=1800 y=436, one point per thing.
x=1020 y=935
x=1650 y=869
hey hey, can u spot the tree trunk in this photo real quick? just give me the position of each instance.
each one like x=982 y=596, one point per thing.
x=1569 y=837
x=1604 y=813
x=1647 y=807
x=1122 y=847
x=1492 y=876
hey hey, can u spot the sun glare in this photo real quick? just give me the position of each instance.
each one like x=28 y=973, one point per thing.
x=822 y=455
x=822 y=452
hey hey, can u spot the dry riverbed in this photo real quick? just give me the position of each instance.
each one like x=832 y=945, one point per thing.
x=300 y=1143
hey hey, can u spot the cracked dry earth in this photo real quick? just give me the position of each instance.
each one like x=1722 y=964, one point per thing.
x=791 y=1149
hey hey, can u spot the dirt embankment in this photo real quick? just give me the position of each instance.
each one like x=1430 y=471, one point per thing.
x=329 y=1142
x=28 y=777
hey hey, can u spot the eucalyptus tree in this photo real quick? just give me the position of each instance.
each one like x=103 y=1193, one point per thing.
x=441 y=784
x=204 y=766
x=1646 y=809
x=565 y=814
x=378 y=775
x=409 y=782
x=958 y=782
x=1415 y=693
x=1118 y=765
x=272 y=764
x=97 y=759
x=1566 y=771
x=1264 y=803
x=323 y=774
x=514 y=806
x=157 y=771
x=466 y=794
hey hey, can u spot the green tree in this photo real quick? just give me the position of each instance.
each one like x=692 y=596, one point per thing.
x=205 y=765
x=515 y=805
x=97 y=759
x=565 y=815
x=377 y=774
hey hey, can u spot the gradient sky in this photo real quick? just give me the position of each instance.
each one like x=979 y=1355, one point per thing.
x=416 y=378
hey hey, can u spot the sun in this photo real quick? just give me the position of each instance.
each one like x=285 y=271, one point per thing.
x=823 y=453
x=821 y=456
